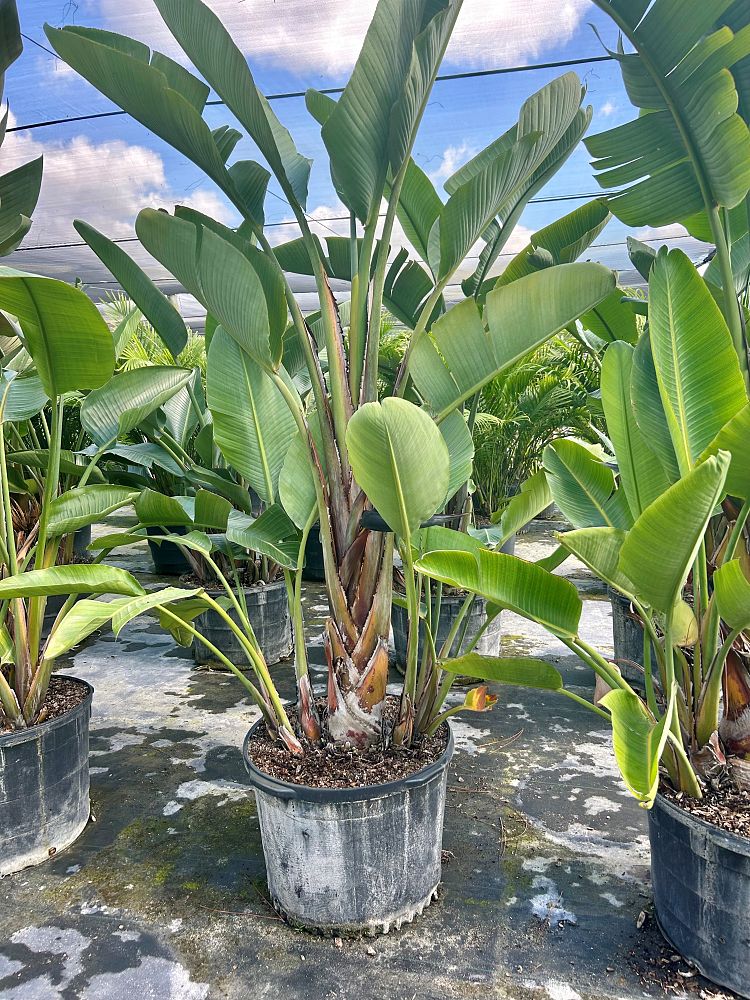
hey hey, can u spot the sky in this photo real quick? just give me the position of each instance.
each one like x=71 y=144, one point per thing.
x=105 y=169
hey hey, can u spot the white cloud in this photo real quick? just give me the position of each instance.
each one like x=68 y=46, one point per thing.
x=303 y=36
x=104 y=183
x=607 y=109
x=453 y=158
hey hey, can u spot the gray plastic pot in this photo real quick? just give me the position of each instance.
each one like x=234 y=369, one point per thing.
x=268 y=611
x=450 y=605
x=627 y=633
x=348 y=860
x=701 y=881
x=44 y=788
x=168 y=558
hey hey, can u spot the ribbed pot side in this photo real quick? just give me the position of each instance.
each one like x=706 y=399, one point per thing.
x=268 y=611
x=450 y=605
x=701 y=883
x=348 y=860
x=44 y=788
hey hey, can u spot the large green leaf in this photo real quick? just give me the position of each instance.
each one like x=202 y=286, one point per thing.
x=437 y=538
x=212 y=50
x=584 y=487
x=512 y=583
x=21 y=396
x=63 y=332
x=126 y=611
x=357 y=132
x=648 y=408
x=253 y=425
x=96 y=579
x=732 y=594
x=641 y=473
x=523 y=671
x=460 y=445
x=460 y=356
x=85 y=505
x=148 y=455
x=296 y=483
x=662 y=545
x=128 y=398
x=39 y=459
x=19 y=193
x=152 y=88
x=81 y=620
x=11 y=45
x=533 y=496
x=696 y=365
x=154 y=509
x=219 y=274
x=612 y=320
x=155 y=306
x=272 y=534
x=419 y=205
x=689 y=148
x=638 y=743
x=400 y=460
x=599 y=549
x=734 y=437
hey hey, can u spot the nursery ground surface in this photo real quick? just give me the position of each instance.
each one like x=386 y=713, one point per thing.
x=545 y=893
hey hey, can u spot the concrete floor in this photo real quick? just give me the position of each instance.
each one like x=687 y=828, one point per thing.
x=164 y=895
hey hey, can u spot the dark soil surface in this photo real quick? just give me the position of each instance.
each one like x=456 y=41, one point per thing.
x=333 y=766
x=248 y=580
x=663 y=972
x=64 y=694
x=724 y=806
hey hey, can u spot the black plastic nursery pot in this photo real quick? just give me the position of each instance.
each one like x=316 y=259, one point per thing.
x=268 y=611
x=627 y=634
x=701 y=882
x=450 y=605
x=169 y=559
x=82 y=540
x=44 y=787
x=352 y=860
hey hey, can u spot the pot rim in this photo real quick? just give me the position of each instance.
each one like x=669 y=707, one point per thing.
x=735 y=842
x=31 y=733
x=289 y=790
x=256 y=588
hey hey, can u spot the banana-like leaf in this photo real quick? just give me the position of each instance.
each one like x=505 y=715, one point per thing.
x=460 y=445
x=11 y=45
x=19 y=193
x=662 y=545
x=400 y=460
x=638 y=743
x=734 y=437
x=511 y=583
x=21 y=396
x=85 y=505
x=555 y=114
x=460 y=356
x=358 y=142
x=533 y=496
x=732 y=594
x=648 y=408
x=154 y=305
x=697 y=368
x=82 y=619
x=127 y=611
x=688 y=148
x=211 y=49
x=584 y=487
x=63 y=331
x=148 y=455
x=184 y=611
x=272 y=534
x=253 y=425
x=599 y=549
x=642 y=256
x=219 y=274
x=152 y=88
x=296 y=484
x=128 y=398
x=564 y=240
x=641 y=474
x=437 y=538
x=521 y=671
x=193 y=541
x=180 y=415
x=96 y=579
x=612 y=320
x=419 y=205
x=154 y=509
x=115 y=539
x=39 y=459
